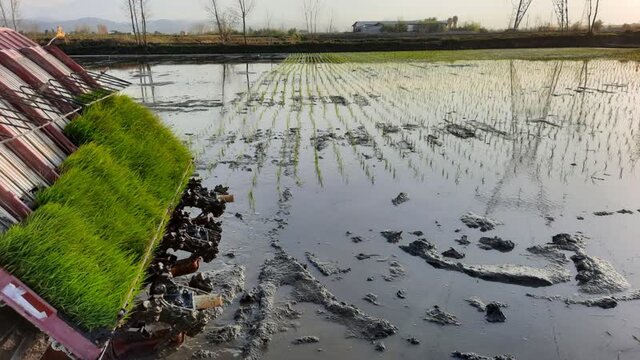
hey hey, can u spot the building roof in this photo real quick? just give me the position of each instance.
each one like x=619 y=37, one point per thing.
x=410 y=22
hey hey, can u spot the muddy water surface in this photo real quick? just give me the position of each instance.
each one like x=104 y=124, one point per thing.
x=315 y=154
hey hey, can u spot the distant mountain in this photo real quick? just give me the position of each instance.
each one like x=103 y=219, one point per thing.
x=164 y=26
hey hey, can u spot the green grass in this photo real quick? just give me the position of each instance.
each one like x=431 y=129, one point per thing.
x=85 y=246
x=468 y=55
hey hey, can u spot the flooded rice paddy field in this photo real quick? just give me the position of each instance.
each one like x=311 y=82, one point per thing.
x=316 y=151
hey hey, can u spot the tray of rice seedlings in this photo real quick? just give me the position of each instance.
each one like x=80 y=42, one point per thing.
x=86 y=246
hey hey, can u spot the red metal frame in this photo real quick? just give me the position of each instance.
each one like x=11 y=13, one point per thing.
x=13 y=205
x=37 y=311
x=25 y=154
x=8 y=61
x=56 y=135
x=72 y=65
x=62 y=78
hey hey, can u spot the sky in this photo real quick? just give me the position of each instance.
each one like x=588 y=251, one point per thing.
x=493 y=14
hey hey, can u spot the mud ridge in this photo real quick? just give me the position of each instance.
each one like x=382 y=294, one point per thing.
x=327 y=268
x=597 y=276
x=506 y=273
x=261 y=319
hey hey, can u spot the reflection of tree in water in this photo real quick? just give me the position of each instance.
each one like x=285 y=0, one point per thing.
x=526 y=141
x=147 y=85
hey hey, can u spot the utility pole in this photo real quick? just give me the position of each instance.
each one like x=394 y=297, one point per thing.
x=561 y=8
x=520 y=10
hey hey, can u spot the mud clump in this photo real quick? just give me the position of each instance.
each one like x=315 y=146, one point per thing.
x=597 y=276
x=453 y=254
x=507 y=273
x=392 y=237
x=380 y=346
x=359 y=136
x=494 y=313
x=606 y=302
x=322 y=139
x=203 y=354
x=357 y=239
x=364 y=256
x=475 y=221
x=476 y=303
x=224 y=334
x=472 y=356
x=496 y=243
x=227 y=282
x=562 y=242
x=464 y=240
x=387 y=128
x=261 y=319
x=568 y=242
x=460 y=131
x=413 y=341
x=338 y=100
x=401 y=294
x=371 y=298
x=327 y=268
x=306 y=340
x=438 y=316
x=396 y=271
x=603 y=213
x=417 y=233
x=400 y=199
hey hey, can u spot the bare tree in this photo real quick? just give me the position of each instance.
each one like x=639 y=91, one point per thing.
x=330 y=28
x=3 y=12
x=245 y=8
x=592 y=15
x=143 y=20
x=15 y=13
x=311 y=10
x=224 y=19
x=139 y=14
x=133 y=13
x=10 y=13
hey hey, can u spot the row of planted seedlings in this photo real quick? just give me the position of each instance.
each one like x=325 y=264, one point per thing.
x=93 y=235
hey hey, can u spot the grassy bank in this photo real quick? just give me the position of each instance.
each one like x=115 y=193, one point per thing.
x=469 y=55
x=82 y=248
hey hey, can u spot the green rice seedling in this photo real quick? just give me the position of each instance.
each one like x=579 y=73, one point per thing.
x=86 y=246
x=110 y=195
x=137 y=139
x=57 y=252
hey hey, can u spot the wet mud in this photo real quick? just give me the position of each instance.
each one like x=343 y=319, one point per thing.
x=261 y=318
x=597 y=276
x=472 y=356
x=532 y=148
x=506 y=273
x=496 y=243
x=482 y=223
x=441 y=317
x=327 y=268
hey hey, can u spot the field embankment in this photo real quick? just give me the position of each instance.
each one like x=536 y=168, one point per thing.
x=210 y=44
